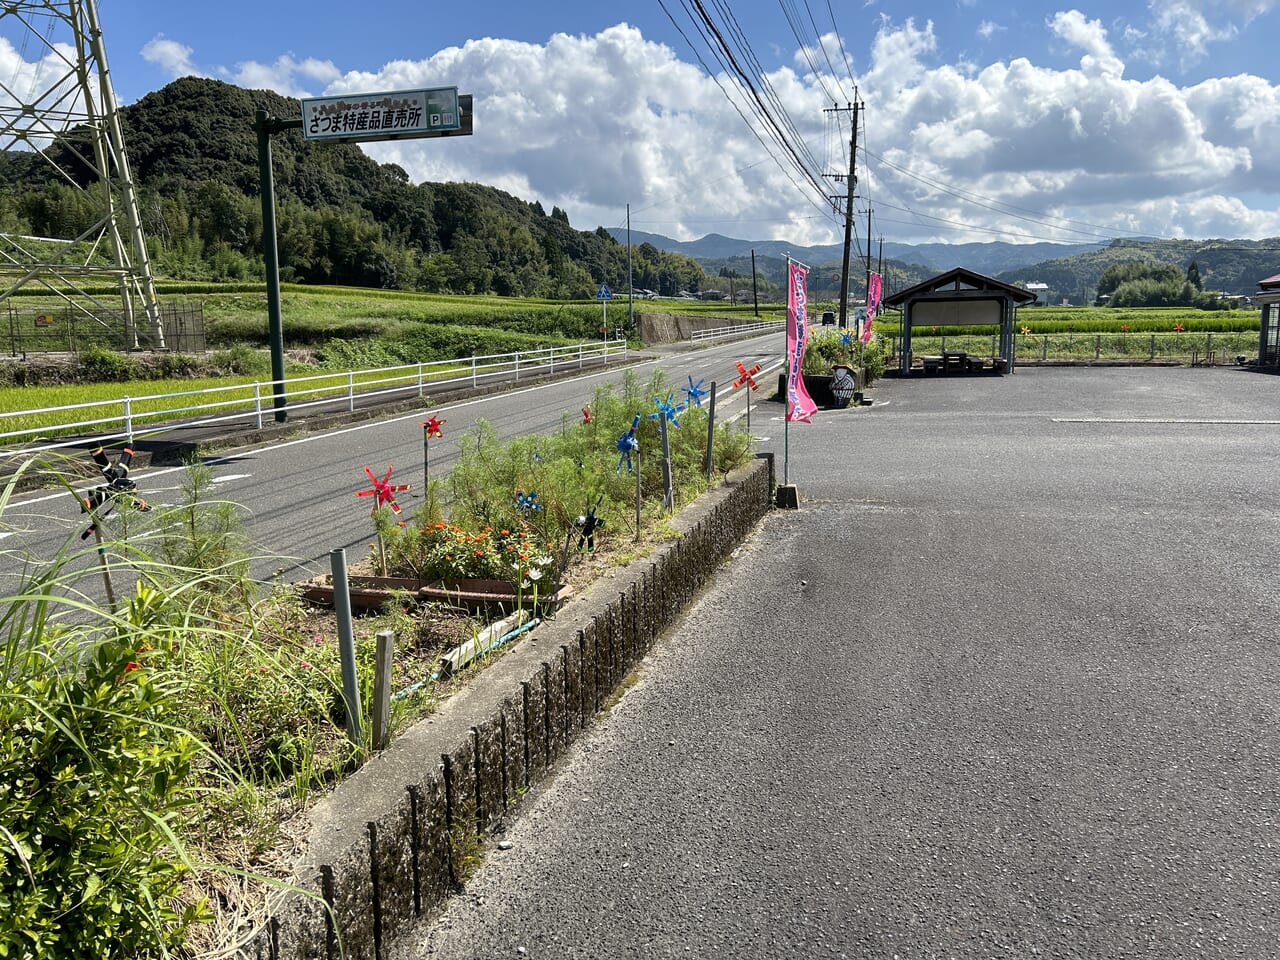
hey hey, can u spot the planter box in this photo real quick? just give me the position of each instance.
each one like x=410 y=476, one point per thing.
x=474 y=596
x=819 y=388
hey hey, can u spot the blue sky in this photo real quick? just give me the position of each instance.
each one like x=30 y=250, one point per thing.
x=1048 y=121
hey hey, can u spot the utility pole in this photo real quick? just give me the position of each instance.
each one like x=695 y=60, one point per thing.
x=631 y=287
x=851 y=181
x=755 y=291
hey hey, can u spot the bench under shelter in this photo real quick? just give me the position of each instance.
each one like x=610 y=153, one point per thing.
x=960 y=298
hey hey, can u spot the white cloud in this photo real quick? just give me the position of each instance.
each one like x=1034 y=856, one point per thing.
x=1181 y=23
x=987 y=29
x=172 y=57
x=281 y=75
x=1091 y=37
x=592 y=123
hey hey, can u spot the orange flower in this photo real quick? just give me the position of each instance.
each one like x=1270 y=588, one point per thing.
x=505 y=533
x=479 y=553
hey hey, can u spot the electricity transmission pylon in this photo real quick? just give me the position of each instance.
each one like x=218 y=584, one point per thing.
x=60 y=86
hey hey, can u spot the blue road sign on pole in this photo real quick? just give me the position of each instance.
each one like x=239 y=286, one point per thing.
x=604 y=295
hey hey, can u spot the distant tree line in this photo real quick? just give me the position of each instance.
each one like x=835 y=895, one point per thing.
x=342 y=218
x=1156 y=285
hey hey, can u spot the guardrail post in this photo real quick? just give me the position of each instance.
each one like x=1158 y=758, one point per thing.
x=580 y=348
x=517 y=368
x=257 y=403
x=1153 y=346
x=1097 y=349
x=552 y=354
x=420 y=380
x=473 y=372
x=128 y=419
x=351 y=391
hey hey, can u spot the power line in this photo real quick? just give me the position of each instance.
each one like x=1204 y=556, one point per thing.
x=731 y=100
x=999 y=206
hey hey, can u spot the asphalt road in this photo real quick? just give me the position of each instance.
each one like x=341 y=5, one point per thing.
x=1004 y=687
x=298 y=495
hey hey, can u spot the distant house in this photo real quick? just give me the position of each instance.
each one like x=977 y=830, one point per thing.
x=1039 y=289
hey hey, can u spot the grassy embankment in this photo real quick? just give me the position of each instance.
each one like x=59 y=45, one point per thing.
x=327 y=330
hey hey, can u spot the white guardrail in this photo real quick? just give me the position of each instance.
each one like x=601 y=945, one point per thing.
x=120 y=419
x=739 y=330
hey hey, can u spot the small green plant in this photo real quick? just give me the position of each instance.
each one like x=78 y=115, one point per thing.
x=93 y=781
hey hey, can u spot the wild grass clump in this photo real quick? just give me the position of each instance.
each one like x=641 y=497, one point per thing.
x=144 y=738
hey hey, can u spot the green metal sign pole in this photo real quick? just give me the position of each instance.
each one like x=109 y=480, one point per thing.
x=265 y=126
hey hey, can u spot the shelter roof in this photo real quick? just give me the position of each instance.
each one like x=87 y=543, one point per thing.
x=959 y=281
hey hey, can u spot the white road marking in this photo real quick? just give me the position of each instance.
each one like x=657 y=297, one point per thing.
x=1243 y=423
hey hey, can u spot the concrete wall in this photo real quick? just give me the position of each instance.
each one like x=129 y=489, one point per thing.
x=673 y=328
x=397 y=838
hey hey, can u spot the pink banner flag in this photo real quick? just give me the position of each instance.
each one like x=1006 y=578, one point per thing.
x=800 y=405
x=873 y=305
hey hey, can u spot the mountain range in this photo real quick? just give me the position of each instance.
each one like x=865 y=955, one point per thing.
x=1070 y=271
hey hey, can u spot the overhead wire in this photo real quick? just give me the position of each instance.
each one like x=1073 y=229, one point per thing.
x=767 y=123
x=792 y=15
x=732 y=101
x=1062 y=224
x=779 y=121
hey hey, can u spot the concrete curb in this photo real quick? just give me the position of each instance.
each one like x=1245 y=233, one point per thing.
x=392 y=842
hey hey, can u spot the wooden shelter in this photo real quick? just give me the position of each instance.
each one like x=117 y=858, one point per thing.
x=960 y=298
x=1269 y=332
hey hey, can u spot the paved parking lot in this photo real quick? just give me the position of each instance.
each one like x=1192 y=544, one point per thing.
x=1006 y=685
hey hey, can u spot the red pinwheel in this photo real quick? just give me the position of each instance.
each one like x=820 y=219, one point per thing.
x=384 y=490
x=747 y=376
x=587 y=415
x=432 y=426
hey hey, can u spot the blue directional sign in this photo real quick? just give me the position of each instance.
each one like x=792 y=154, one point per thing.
x=604 y=293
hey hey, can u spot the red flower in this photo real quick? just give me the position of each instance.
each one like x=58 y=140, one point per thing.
x=130 y=666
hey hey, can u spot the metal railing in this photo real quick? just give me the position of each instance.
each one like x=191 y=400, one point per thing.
x=105 y=421
x=1195 y=349
x=737 y=330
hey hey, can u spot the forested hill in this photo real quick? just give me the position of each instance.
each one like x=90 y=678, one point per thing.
x=342 y=218
x=1226 y=266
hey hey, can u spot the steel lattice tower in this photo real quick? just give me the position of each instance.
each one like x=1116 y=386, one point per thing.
x=61 y=84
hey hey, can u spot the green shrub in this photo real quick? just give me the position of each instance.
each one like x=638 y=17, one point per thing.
x=91 y=777
x=829 y=347
x=101 y=365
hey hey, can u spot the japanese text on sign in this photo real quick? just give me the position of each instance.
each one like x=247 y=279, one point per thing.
x=405 y=113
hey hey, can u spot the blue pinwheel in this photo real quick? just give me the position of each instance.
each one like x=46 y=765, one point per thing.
x=694 y=393
x=846 y=340
x=627 y=443
x=527 y=502
x=668 y=407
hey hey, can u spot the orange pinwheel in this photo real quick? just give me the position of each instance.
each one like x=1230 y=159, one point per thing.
x=747 y=376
